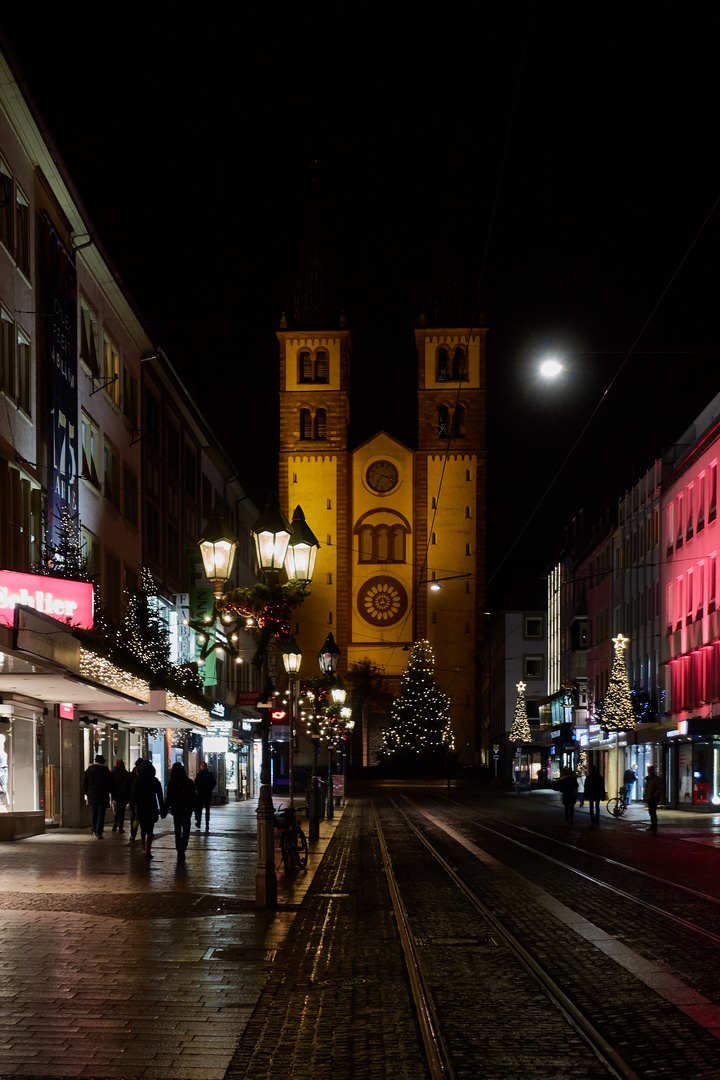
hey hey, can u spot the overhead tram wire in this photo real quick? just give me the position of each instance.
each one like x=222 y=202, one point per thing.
x=630 y=352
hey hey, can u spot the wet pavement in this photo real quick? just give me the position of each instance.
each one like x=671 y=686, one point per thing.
x=112 y=966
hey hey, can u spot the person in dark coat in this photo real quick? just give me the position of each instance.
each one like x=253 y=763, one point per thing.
x=133 y=777
x=182 y=803
x=594 y=791
x=204 y=784
x=98 y=785
x=147 y=804
x=122 y=782
x=568 y=787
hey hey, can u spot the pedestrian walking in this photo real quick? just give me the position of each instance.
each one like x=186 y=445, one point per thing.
x=147 y=804
x=98 y=786
x=122 y=783
x=204 y=784
x=629 y=780
x=594 y=792
x=134 y=823
x=182 y=803
x=581 y=787
x=568 y=786
x=652 y=794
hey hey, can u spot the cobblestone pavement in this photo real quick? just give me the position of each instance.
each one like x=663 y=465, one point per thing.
x=111 y=966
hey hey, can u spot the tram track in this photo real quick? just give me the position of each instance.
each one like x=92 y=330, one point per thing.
x=438 y=1054
x=599 y=1021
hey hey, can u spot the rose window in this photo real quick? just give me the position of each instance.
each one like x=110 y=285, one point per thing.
x=382 y=601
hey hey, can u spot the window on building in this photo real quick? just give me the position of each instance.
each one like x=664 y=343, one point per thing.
x=22 y=232
x=534 y=667
x=130 y=397
x=381 y=544
x=190 y=473
x=173 y=449
x=689 y=597
x=670 y=526
x=304 y=366
x=459 y=422
x=130 y=495
x=6 y=205
x=700 y=575
x=90 y=438
x=459 y=366
x=305 y=424
x=89 y=336
x=712 y=582
x=712 y=492
x=111 y=463
x=533 y=626
x=701 y=502
x=670 y=603
x=443 y=422
x=7 y=353
x=321 y=366
x=689 y=512
x=443 y=363
x=24 y=372
x=111 y=369
x=321 y=424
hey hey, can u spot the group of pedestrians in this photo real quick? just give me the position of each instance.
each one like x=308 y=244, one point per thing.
x=141 y=791
x=590 y=787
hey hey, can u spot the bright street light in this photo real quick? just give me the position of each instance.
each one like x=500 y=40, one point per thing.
x=551 y=367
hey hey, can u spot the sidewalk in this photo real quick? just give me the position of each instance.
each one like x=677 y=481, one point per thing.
x=113 y=966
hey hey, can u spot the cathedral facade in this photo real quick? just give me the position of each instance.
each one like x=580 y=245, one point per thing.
x=401 y=528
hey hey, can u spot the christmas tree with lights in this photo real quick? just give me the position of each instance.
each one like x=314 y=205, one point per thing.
x=65 y=557
x=144 y=633
x=419 y=720
x=617 y=710
x=520 y=729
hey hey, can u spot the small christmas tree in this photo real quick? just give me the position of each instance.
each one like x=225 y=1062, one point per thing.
x=419 y=721
x=65 y=557
x=617 y=711
x=144 y=632
x=520 y=729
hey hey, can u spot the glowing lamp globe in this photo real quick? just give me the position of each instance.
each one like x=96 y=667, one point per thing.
x=292 y=657
x=302 y=550
x=218 y=544
x=271 y=533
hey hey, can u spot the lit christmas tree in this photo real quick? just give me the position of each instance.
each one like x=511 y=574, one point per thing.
x=617 y=711
x=419 y=722
x=520 y=729
x=65 y=558
x=144 y=632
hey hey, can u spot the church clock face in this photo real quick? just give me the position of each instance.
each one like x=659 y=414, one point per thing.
x=381 y=476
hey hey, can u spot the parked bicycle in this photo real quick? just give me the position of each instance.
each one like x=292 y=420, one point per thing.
x=293 y=842
x=618 y=805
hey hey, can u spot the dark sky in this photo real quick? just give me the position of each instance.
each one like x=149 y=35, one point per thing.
x=575 y=145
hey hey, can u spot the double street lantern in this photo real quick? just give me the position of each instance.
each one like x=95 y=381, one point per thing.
x=273 y=535
x=217 y=547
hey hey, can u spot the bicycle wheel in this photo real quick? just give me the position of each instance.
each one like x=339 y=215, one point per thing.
x=615 y=807
x=301 y=848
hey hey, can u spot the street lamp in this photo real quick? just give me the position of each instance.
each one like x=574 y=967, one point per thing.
x=269 y=604
x=328 y=658
x=292 y=659
x=217 y=545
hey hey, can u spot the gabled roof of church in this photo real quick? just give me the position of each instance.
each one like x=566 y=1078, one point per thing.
x=376 y=435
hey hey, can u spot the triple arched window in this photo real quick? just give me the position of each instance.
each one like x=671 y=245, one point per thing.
x=381 y=543
x=451 y=427
x=313 y=427
x=451 y=364
x=313 y=366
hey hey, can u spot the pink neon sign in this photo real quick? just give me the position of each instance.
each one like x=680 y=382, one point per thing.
x=68 y=601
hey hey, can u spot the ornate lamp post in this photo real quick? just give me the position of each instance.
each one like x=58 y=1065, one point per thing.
x=218 y=544
x=328 y=658
x=292 y=659
x=269 y=604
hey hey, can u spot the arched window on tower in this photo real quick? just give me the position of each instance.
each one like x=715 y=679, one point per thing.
x=459 y=422
x=365 y=543
x=442 y=365
x=397 y=543
x=304 y=366
x=321 y=366
x=321 y=424
x=382 y=543
x=459 y=369
x=305 y=424
x=443 y=422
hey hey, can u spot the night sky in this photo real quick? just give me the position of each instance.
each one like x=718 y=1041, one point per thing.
x=573 y=149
